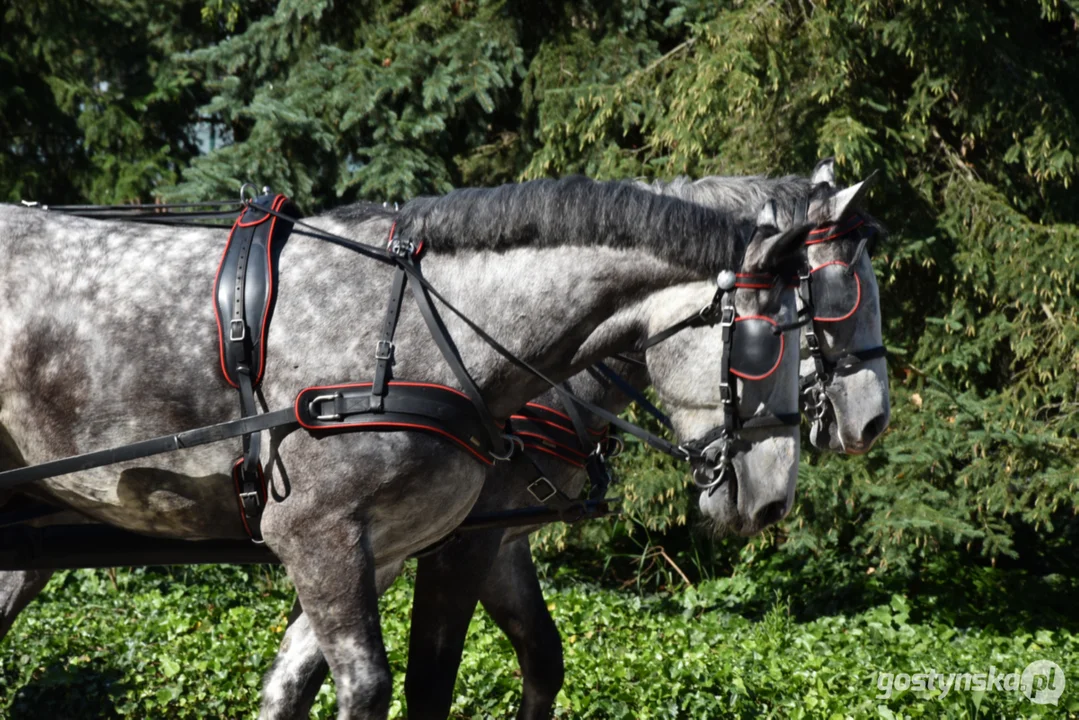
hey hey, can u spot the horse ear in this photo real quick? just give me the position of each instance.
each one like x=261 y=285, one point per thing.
x=775 y=252
x=766 y=218
x=836 y=208
x=824 y=172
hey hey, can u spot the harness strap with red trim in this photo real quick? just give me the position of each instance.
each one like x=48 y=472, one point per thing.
x=432 y=408
x=243 y=298
x=813 y=387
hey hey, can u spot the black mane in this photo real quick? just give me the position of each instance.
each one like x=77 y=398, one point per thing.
x=362 y=211
x=577 y=210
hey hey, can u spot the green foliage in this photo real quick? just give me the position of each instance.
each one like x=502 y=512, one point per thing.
x=193 y=642
x=93 y=105
x=324 y=100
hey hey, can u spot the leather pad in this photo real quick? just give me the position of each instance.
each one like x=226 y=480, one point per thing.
x=243 y=288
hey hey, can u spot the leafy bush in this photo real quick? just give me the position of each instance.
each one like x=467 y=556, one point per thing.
x=194 y=642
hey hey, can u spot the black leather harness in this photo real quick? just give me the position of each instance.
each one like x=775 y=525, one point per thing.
x=719 y=446
x=243 y=301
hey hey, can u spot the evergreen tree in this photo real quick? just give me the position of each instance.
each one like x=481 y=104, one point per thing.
x=92 y=105
x=966 y=108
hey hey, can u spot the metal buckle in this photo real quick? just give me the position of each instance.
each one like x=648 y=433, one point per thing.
x=552 y=490
x=384 y=350
x=727 y=318
x=725 y=392
x=232 y=330
x=253 y=494
x=614 y=447
x=321 y=399
x=514 y=442
x=403 y=249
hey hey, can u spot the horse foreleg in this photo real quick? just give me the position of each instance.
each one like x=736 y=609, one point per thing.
x=331 y=564
x=514 y=600
x=290 y=687
x=17 y=589
x=447 y=589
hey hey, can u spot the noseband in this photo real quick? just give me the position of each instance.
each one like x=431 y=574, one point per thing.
x=745 y=355
x=821 y=305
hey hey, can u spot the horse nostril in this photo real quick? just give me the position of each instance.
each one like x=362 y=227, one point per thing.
x=874 y=427
x=771 y=513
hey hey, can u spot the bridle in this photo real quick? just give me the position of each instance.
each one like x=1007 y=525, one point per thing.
x=719 y=446
x=818 y=294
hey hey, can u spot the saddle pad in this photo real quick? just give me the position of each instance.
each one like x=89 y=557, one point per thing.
x=243 y=287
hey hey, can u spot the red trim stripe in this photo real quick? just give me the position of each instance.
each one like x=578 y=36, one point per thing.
x=547 y=439
x=552 y=453
x=836 y=233
x=564 y=416
x=276 y=207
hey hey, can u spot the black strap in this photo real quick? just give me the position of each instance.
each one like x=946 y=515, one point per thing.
x=446 y=346
x=384 y=346
x=247 y=475
x=633 y=394
x=284 y=418
x=728 y=388
x=595 y=464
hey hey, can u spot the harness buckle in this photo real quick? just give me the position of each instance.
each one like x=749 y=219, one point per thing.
x=611 y=447
x=512 y=442
x=312 y=407
x=402 y=249
x=235 y=336
x=549 y=490
x=251 y=499
x=725 y=392
x=384 y=350
x=727 y=318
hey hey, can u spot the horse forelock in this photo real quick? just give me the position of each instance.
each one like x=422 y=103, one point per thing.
x=578 y=211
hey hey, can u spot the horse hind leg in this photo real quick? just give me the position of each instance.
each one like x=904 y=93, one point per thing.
x=448 y=584
x=513 y=598
x=17 y=589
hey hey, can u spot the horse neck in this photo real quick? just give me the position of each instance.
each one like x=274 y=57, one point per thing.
x=559 y=309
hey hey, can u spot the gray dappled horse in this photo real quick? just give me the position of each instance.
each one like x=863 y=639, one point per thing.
x=107 y=336
x=494 y=567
